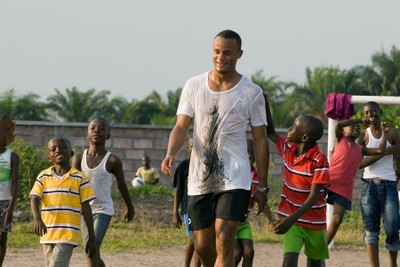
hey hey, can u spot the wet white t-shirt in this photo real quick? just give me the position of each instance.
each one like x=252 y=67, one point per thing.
x=219 y=160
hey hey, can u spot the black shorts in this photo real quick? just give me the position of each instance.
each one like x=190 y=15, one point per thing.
x=227 y=205
x=332 y=197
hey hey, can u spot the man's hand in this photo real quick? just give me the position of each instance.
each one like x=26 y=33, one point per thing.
x=261 y=200
x=166 y=165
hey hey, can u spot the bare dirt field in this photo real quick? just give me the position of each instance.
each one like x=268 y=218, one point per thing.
x=159 y=209
x=266 y=255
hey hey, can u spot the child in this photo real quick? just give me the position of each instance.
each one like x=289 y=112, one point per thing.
x=379 y=197
x=149 y=174
x=244 y=247
x=101 y=166
x=65 y=193
x=180 y=199
x=346 y=159
x=9 y=165
x=302 y=209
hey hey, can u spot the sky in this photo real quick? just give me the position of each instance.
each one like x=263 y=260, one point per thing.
x=132 y=47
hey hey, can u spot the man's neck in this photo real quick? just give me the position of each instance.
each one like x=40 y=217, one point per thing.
x=220 y=82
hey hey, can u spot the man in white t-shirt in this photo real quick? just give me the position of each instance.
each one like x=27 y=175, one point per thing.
x=222 y=104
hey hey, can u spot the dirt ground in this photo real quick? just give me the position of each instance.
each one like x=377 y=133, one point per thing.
x=159 y=209
x=266 y=255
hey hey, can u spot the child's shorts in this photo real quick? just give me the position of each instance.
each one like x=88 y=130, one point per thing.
x=314 y=241
x=4 y=228
x=187 y=224
x=100 y=226
x=332 y=197
x=244 y=231
x=57 y=254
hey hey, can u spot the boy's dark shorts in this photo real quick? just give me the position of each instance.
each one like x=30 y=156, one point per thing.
x=332 y=197
x=227 y=205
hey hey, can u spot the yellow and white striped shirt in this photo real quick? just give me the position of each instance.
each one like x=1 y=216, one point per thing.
x=61 y=204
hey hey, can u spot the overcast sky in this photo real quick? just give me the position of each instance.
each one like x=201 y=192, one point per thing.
x=132 y=47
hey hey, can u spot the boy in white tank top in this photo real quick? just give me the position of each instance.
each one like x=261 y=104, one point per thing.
x=379 y=197
x=101 y=166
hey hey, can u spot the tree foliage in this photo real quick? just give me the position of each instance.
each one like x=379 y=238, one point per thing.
x=32 y=162
x=287 y=99
x=26 y=107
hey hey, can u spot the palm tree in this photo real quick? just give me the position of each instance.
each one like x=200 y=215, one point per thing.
x=310 y=98
x=25 y=107
x=276 y=92
x=367 y=81
x=77 y=106
x=388 y=67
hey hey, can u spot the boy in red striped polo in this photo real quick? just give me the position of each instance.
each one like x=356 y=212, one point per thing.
x=302 y=207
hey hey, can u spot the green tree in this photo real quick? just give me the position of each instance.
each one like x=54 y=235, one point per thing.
x=366 y=81
x=310 y=98
x=388 y=67
x=32 y=162
x=25 y=107
x=140 y=112
x=277 y=97
x=77 y=106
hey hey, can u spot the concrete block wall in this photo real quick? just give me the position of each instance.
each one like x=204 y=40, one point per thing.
x=130 y=143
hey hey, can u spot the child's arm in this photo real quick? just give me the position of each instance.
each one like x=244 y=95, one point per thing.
x=393 y=137
x=40 y=227
x=382 y=145
x=271 y=133
x=176 y=217
x=14 y=188
x=270 y=217
x=123 y=189
x=341 y=124
x=76 y=161
x=283 y=225
x=91 y=247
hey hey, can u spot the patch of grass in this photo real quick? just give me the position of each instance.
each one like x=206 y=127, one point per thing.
x=151 y=190
x=23 y=236
x=152 y=227
x=123 y=237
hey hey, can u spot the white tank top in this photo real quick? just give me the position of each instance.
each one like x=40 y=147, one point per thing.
x=5 y=174
x=101 y=181
x=383 y=168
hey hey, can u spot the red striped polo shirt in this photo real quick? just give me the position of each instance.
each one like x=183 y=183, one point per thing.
x=299 y=174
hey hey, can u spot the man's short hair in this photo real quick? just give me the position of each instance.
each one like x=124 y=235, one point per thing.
x=229 y=34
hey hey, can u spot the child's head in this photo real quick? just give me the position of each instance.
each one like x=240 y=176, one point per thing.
x=7 y=130
x=250 y=151
x=146 y=161
x=59 y=150
x=98 y=131
x=306 y=128
x=372 y=111
x=353 y=131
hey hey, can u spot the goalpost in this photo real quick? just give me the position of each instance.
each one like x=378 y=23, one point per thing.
x=387 y=100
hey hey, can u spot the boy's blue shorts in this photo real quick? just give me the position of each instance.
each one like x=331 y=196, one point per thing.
x=187 y=224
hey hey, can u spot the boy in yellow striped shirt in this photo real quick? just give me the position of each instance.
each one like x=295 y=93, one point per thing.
x=64 y=193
